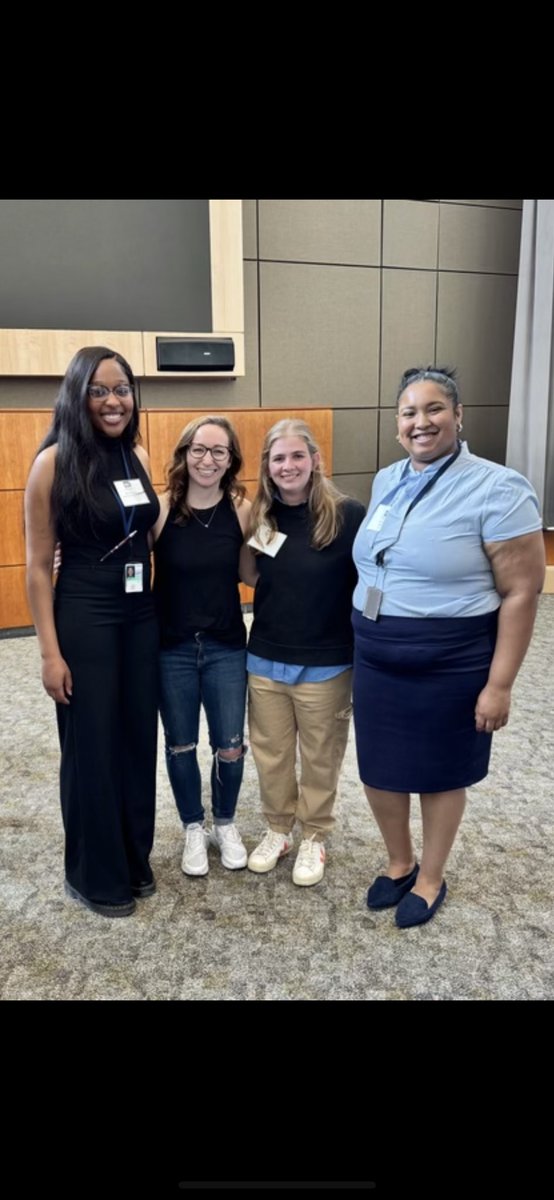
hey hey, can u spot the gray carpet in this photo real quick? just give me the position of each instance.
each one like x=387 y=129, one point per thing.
x=238 y=936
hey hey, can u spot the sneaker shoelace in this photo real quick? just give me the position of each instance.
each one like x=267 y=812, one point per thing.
x=230 y=833
x=270 y=843
x=196 y=839
x=308 y=852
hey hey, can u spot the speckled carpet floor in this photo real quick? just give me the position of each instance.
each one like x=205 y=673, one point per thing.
x=239 y=936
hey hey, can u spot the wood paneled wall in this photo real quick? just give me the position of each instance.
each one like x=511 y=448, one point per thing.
x=21 y=431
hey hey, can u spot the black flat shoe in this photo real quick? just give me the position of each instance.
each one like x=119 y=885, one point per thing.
x=142 y=890
x=386 y=892
x=104 y=910
x=414 y=910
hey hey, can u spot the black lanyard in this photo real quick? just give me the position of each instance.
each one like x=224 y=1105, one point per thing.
x=430 y=483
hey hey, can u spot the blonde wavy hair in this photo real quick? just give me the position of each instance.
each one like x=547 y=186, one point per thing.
x=178 y=475
x=325 y=502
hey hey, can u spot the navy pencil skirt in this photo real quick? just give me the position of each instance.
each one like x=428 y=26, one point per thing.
x=416 y=683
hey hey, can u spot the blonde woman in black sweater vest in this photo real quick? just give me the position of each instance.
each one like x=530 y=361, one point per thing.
x=300 y=648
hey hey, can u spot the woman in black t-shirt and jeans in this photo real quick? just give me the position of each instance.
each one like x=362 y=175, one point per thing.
x=198 y=539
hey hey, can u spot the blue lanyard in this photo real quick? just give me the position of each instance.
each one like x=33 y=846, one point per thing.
x=126 y=517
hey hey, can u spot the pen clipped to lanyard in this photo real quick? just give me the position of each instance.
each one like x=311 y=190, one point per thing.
x=119 y=545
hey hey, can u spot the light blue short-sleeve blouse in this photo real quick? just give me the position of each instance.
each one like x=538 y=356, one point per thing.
x=433 y=560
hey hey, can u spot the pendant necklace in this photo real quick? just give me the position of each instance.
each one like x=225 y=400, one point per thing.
x=206 y=524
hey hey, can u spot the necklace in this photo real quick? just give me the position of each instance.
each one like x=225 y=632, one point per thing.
x=206 y=524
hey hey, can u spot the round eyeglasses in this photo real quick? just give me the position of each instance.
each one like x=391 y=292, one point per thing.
x=198 y=451
x=97 y=391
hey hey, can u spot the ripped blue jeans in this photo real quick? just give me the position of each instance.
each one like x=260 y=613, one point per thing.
x=203 y=672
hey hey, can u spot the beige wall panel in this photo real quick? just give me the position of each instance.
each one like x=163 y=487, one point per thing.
x=249 y=229
x=210 y=394
x=319 y=336
x=408 y=326
x=20 y=436
x=479 y=239
x=485 y=430
x=491 y=203
x=548 y=588
x=12 y=535
x=28 y=393
x=251 y=426
x=14 y=610
x=475 y=330
x=389 y=449
x=226 y=266
x=321 y=231
x=410 y=233
x=357 y=486
x=354 y=440
x=49 y=351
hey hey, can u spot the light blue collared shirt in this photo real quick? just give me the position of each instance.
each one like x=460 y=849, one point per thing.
x=291 y=673
x=434 y=564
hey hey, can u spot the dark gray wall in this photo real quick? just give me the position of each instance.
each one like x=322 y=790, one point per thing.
x=105 y=264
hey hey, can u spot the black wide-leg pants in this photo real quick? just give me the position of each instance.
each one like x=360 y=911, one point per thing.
x=108 y=732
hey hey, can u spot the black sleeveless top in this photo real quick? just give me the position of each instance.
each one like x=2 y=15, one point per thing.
x=98 y=535
x=197 y=574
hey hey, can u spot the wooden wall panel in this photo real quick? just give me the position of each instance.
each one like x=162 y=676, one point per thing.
x=12 y=534
x=14 y=611
x=165 y=426
x=21 y=432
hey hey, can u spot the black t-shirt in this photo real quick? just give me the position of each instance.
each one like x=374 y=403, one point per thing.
x=197 y=574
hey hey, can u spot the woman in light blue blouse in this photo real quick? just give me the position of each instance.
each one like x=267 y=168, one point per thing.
x=450 y=561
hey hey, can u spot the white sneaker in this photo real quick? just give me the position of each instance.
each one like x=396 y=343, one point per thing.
x=310 y=862
x=229 y=842
x=195 y=855
x=271 y=848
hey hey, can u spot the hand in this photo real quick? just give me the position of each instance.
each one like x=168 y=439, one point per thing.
x=56 y=679
x=492 y=709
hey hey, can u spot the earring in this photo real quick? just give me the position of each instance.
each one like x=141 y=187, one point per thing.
x=397 y=437
x=459 y=428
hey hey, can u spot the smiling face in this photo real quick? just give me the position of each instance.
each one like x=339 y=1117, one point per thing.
x=207 y=471
x=427 y=423
x=111 y=412
x=290 y=467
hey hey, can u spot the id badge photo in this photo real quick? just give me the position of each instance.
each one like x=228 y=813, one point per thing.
x=132 y=577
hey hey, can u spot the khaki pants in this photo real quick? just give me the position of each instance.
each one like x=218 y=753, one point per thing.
x=316 y=715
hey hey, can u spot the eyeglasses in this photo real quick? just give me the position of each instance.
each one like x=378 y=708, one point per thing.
x=97 y=391
x=218 y=453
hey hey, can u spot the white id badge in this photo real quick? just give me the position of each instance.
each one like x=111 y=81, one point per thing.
x=372 y=604
x=130 y=492
x=260 y=541
x=378 y=517
x=132 y=575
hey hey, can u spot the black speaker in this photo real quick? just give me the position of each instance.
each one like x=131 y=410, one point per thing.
x=195 y=354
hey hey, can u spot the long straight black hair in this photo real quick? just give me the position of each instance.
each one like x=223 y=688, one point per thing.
x=78 y=460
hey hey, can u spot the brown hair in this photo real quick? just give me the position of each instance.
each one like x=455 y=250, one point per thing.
x=178 y=475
